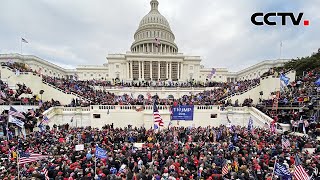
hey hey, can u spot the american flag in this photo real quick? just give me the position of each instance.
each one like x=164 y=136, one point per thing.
x=32 y=157
x=45 y=119
x=157 y=41
x=213 y=71
x=24 y=40
x=285 y=143
x=299 y=172
x=156 y=115
x=225 y=169
x=14 y=112
x=45 y=171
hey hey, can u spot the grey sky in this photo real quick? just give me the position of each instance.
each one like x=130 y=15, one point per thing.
x=74 y=32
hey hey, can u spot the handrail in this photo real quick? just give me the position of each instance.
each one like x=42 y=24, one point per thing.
x=261 y=115
x=241 y=92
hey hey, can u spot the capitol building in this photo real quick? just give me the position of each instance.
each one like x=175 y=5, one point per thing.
x=153 y=56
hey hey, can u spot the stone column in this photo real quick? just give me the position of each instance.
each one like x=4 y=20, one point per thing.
x=158 y=70
x=152 y=50
x=131 y=73
x=128 y=70
x=178 y=71
x=167 y=69
x=139 y=70
x=142 y=64
x=151 y=70
x=170 y=71
x=181 y=71
x=160 y=48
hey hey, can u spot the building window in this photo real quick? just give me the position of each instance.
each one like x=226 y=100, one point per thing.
x=117 y=66
x=96 y=116
x=191 y=67
x=220 y=77
x=107 y=75
x=91 y=75
x=99 y=75
x=213 y=116
x=85 y=74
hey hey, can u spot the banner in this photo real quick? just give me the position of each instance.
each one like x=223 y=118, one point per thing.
x=182 y=113
x=79 y=147
x=101 y=153
x=16 y=121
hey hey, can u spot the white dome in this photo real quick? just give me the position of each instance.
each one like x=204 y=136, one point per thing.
x=154 y=17
x=154 y=26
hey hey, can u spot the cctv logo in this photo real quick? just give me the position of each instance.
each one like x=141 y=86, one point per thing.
x=283 y=15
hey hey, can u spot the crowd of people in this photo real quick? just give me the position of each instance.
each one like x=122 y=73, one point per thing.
x=13 y=96
x=301 y=92
x=30 y=118
x=22 y=67
x=175 y=153
x=86 y=89
x=301 y=96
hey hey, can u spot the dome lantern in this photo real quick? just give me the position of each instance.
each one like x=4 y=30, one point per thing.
x=154 y=5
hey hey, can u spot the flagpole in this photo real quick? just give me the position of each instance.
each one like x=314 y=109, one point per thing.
x=21 y=46
x=318 y=112
x=280 y=49
x=274 y=167
x=95 y=167
x=18 y=165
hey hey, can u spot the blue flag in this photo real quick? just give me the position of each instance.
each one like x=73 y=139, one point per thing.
x=235 y=138
x=317 y=82
x=100 y=153
x=42 y=128
x=282 y=170
x=250 y=124
x=284 y=79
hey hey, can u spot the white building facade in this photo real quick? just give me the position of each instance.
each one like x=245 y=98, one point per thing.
x=153 y=56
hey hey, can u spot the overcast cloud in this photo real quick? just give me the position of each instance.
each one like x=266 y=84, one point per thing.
x=79 y=32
